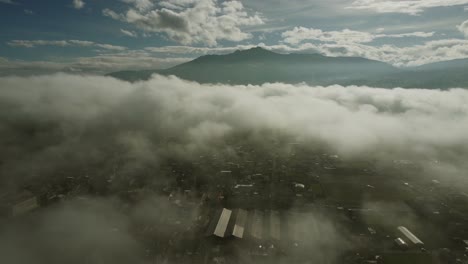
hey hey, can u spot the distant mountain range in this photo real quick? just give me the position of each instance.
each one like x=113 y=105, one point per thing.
x=257 y=66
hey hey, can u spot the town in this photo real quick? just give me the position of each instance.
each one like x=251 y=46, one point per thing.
x=291 y=204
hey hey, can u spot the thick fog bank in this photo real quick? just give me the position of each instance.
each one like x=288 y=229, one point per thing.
x=51 y=122
x=59 y=126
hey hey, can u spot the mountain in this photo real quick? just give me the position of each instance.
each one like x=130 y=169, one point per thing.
x=439 y=75
x=257 y=66
x=443 y=65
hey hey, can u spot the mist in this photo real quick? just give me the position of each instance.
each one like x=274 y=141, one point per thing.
x=123 y=135
x=57 y=120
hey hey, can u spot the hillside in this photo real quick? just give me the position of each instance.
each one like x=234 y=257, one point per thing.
x=257 y=66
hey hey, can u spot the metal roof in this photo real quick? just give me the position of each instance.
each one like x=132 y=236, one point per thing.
x=239 y=225
x=275 y=231
x=257 y=225
x=222 y=224
x=414 y=239
x=400 y=242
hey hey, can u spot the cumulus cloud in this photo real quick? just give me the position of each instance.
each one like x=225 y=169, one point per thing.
x=190 y=21
x=63 y=43
x=78 y=4
x=413 y=7
x=463 y=28
x=300 y=34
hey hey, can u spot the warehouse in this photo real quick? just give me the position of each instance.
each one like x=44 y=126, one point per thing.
x=239 y=225
x=414 y=239
x=219 y=223
x=275 y=228
x=257 y=225
x=18 y=204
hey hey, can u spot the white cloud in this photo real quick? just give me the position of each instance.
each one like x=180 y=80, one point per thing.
x=104 y=63
x=78 y=4
x=463 y=28
x=197 y=50
x=190 y=21
x=416 y=55
x=351 y=121
x=418 y=34
x=63 y=43
x=129 y=33
x=141 y=5
x=28 y=12
x=429 y=52
x=300 y=34
x=412 y=7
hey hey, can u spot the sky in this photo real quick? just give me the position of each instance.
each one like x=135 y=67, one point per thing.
x=102 y=36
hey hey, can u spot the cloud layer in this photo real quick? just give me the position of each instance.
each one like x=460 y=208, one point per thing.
x=300 y=34
x=63 y=43
x=66 y=125
x=352 y=121
x=10 y=2
x=412 y=7
x=99 y=64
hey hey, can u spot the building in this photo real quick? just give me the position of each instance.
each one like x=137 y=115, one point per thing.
x=219 y=224
x=256 y=230
x=401 y=243
x=275 y=226
x=410 y=236
x=239 y=224
x=21 y=203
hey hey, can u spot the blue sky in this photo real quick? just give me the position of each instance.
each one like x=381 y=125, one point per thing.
x=105 y=35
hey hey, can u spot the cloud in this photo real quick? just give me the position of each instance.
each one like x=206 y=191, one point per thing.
x=189 y=21
x=63 y=43
x=413 y=7
x=78 y=4
x=428 y=52
x=100 y=64
x=129 y=33
x=10 y=2
x=197 y=50
x=93 y=230
x=141 y=5
x=352 y=121
x=300 y=34
x=98 y=126
x=463 y=28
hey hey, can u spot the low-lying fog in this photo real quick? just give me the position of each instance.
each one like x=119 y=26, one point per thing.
x=51 y=124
